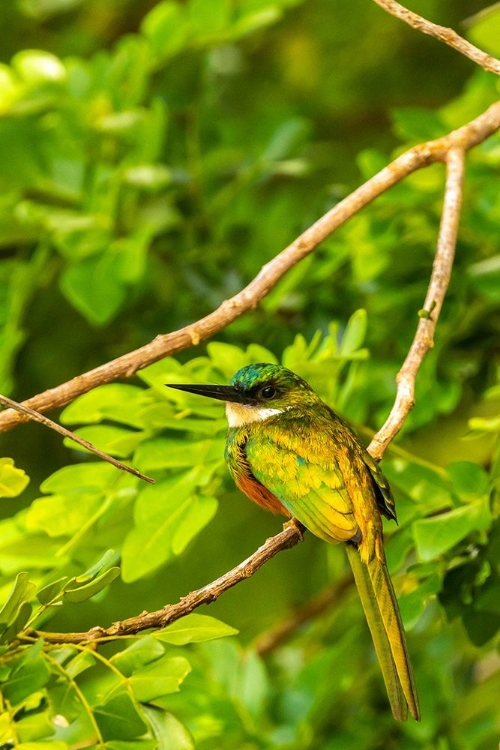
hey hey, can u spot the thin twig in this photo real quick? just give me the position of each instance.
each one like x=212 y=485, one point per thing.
x=289 y=537
x=36 y=417
x=423 y=155
x=440 y=277
x=443 y=34
x=292 y=533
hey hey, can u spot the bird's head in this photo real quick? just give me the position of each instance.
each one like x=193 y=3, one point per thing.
x=257 y=392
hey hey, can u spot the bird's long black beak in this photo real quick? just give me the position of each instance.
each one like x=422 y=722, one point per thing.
x=220 y=392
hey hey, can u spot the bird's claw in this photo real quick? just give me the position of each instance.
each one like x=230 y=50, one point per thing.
x=296 y=526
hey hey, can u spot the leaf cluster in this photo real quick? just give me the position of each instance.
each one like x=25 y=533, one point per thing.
x=140 y=185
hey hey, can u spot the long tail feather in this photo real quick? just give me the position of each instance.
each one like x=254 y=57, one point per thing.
x=384 y=620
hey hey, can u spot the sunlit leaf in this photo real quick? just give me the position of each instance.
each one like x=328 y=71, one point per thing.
x=194 y=628
x=161 y=677
x=168 y=730
x=12 y=480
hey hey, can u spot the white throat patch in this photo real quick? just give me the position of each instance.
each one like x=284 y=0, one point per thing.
x=240 y=414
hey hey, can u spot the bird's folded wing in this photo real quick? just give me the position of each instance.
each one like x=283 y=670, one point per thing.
x=315 y=495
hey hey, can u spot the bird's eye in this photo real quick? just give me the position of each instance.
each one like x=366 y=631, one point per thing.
x=268 y=392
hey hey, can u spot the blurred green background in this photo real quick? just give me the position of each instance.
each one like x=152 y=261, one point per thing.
x=153 y=156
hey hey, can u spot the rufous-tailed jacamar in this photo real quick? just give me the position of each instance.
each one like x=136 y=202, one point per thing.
x=292 y=454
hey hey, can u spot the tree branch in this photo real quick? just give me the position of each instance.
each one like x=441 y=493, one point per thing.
x=420 y=156
x=292 y=532
x=289 y=537
x=450 y=149
x=443 y=34
x=36 y=417
x=440 y=277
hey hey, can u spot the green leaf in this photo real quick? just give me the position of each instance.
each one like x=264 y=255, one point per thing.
x=22 y=591
x=29 y=675
x=486 y=31
x=226 y=357
x=117 y=441
x=166 y=518
x=412 y=604
x=255 y=20
x=162 y=677
x=398 y=547
x=35 y=726
x=117 y=401
x=488 y=596
x=94 y=287
x=469 y=479
x=43 y=745
x=87 y=590
x=118 y=718
x=12 y=480
x=48 y=592
x=165 y=27
x=209 y=17
x=19 y=622
x=354 y=334
x=426 y=486
x=286 y=139
x=132 y=744
x=194 y=628
x=141 y=652
x=171 y=453
x=80 y=478
x=80 y=663
x=435 y=536
x=104 y=563
x=62 y=515
x=199 y=514
x=169 y=732
x=35 y=66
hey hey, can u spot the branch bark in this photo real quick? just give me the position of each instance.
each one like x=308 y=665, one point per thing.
x=443 y=34
x=420 y=156
x=451 y=149
x=293 y=531
x=36 y=417
x=440 y=278
x=289 y=537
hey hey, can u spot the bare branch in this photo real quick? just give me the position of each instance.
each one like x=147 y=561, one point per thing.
x=292 y=532
x=36 y=417
x=423 y=155
x=289 y=537
x=443 y=34
x=440 y=277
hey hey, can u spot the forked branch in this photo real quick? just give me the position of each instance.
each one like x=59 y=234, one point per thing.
x=466 y=137
x=450 y=149
x=440 y=278
x=292 y=533
x=36 y=417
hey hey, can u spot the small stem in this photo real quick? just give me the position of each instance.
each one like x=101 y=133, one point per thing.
x=36 y=417
x=440 y=277
x=126 y=366
x=443 y=34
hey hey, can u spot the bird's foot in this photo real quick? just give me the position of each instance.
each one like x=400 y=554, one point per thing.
x=296 y=526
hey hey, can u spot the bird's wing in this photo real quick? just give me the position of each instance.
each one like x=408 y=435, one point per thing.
x=313 y=491
x=385 y=500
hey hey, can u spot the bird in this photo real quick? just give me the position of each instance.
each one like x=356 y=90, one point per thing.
x=290 y=453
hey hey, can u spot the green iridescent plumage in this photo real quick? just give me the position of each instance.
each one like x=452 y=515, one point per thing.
x=291 y=454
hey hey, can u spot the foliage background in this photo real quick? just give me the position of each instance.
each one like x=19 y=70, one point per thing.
x=153 y=156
